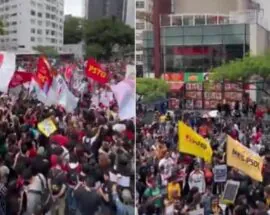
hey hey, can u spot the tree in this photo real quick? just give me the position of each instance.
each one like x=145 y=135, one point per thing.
x=250 y=69
x=151 y=89
x=105 y=34
x=47 y=51
x=246 y=69
x=73 y=30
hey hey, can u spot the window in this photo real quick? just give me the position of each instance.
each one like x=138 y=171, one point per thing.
x=39 y=14
x=139 y=47
x=33 y=39
x=33 y=31
x=33 y=21
x=140 y=4
x=33 y=13
x=39 y=31
x=140 y=25
x=139 y=57
x=47 y=32
x=13 y=14
x=39 y=22
x=14 y=23
x=47 y=15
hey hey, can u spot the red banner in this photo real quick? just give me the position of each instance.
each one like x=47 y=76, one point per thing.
x=44 y=76
x=93 y=70
x=20 y=78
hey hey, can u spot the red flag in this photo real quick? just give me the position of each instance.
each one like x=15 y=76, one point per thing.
x=44 y=76
x=93 y=70
x=20 y=78
x=68 y=72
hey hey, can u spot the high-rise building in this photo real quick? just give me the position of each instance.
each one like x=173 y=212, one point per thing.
x=144 y=9
x=129 y=13
x=31 y=23
x=97 y=9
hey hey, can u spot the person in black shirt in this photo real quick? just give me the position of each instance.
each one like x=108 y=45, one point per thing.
x=89 y=200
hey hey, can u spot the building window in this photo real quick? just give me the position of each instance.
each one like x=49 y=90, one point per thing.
x=33 y=13
x=33 y=39
x=39 y=14
x=33 y=31
x=140 y=4
x=139 y=57
x=14 y=23
x=39 y=31
x=140 y=25
x=33 y=21
x=47 y=15
x=47 y=32
x=39 y=22
x=139 y=47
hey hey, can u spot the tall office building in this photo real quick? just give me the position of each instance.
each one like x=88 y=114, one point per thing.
x=97 y=9
x=144 y=9
x=31 y=23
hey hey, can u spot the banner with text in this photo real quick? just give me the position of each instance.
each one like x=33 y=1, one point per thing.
x=93 y=70
x=243 y=159
x=191 y=142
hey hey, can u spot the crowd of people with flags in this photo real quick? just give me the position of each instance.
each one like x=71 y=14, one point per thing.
x=66 y=140
x=190 y=163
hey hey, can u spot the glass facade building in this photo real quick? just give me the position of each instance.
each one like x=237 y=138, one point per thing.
x=197 y=48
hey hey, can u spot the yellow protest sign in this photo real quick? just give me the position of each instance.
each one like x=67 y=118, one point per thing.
x=47 y=127
x=243 y=159
x=191 y=142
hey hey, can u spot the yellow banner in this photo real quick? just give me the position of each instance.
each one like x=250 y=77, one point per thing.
x=47 y=127
x=243 y=159
x=191 y=142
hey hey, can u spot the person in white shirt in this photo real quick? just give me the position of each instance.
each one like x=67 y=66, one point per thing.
x=196 y=179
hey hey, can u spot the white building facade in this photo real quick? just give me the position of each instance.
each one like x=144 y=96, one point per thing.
x=32 y=23
x=142 y=24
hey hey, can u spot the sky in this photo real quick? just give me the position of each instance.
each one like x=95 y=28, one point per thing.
x=265 y=5
x=74 y=7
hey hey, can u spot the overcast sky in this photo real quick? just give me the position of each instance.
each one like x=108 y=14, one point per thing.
x=74 y=7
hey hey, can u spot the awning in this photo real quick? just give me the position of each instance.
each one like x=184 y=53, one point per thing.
x=176 y=86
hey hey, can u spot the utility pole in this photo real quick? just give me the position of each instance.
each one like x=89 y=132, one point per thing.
x=156 y=31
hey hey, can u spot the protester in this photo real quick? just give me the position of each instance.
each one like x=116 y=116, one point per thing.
x=72 y=170
x=171 y=182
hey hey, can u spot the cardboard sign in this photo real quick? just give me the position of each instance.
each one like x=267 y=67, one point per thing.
x=47 y=127
x=93 y=70
x=220 y=173
x=230 y=191
x=121 y=180
x=197 y=212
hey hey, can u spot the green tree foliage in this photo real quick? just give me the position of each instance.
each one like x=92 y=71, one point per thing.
x=47 y=51
x=102 y=35
x=250 y=67
x=151 y=89
x=73 y=30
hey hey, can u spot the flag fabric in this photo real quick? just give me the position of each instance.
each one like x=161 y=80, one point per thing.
x=44 y=76
x=93 y=70
x=124 y=93
x=7 y=69
x=69 y=72
x=20 y=78
x=244 y=159
x=192 y=143
x=58 y=94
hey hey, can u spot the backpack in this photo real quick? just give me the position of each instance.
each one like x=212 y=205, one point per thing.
x=46 y=200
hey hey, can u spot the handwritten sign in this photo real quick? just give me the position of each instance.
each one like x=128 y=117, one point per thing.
x=47 y=127
x=94 y=71
x=220 y=173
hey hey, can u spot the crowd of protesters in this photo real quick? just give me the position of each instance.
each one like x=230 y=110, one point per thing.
x=68 y=173
x=172 y=183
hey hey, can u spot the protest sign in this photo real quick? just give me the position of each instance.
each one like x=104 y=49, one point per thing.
x=47 y=127
x=93 y=70
x=220 y=173
x=197 y=212
x=243 y=159
x=192 y=143
x=121 y=180
x=230 y=191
